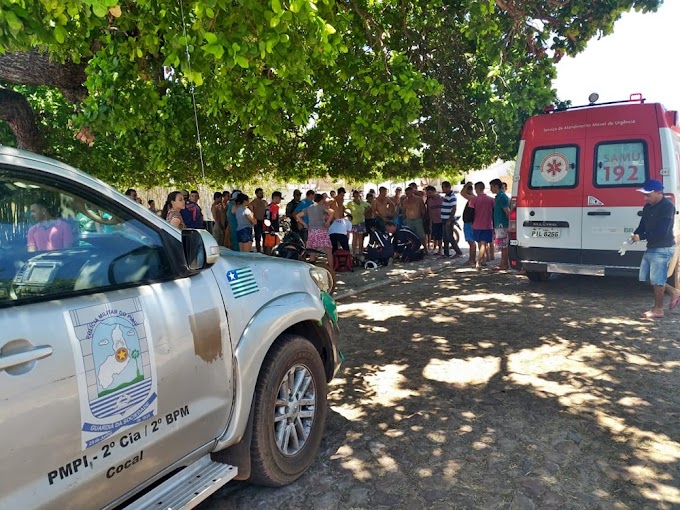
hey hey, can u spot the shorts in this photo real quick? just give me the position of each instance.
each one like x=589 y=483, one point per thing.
x=416 y=225
x=467 y=232
x=318 y=239
x=437 y=231
x=245 y=235
x=482 y=236
x=359 y=228
x=654 y=265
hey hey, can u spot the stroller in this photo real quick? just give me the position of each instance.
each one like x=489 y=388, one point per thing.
x=379 y=250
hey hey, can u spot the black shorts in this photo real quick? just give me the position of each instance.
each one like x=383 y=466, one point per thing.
x=437 y=231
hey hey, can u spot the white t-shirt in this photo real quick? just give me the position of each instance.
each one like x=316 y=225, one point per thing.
x=341 y=226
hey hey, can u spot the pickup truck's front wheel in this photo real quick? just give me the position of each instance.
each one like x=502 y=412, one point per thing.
x=290 y=412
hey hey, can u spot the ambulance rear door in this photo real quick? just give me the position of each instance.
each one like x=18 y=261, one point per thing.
x=550 y=195
x=623 y=149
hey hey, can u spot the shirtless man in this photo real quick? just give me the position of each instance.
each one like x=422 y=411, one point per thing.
x=384 y=208
x=416 y=192
x=413 y=209
x=338 y=204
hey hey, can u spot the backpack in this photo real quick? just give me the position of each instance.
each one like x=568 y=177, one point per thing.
x=343 y=261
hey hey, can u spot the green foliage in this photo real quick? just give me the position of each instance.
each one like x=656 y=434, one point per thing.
x=299 y=88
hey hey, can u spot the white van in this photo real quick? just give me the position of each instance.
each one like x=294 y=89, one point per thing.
x=574 y=199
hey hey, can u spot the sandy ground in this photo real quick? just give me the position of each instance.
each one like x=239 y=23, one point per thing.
x=469 y=389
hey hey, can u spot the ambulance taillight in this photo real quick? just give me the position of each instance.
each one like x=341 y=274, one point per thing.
x=512 y=224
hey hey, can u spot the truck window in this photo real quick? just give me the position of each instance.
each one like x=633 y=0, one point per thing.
x=554 y=167
x=620 y=164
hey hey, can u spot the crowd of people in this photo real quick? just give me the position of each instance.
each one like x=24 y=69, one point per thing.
x=408 y=225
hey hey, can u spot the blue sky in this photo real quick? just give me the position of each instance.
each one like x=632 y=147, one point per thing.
x=640 y=56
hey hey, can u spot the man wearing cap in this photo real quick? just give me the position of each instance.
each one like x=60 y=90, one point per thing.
x=656 y=227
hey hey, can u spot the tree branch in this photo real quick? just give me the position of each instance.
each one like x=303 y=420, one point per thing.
x=18 y=114
x=34 y=68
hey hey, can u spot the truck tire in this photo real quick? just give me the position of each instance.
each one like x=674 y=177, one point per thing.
x=290 y=412
x=538 y=276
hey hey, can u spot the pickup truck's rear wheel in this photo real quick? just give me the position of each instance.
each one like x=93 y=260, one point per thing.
x=290 y=412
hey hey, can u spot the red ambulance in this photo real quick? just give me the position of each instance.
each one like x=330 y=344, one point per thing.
x=574 y=188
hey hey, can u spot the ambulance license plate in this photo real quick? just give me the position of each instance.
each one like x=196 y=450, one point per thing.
x=545 y=233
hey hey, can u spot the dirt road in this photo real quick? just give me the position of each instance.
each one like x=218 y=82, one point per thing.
x=481 y=390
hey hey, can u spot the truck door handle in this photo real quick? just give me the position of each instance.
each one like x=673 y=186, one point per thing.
x=599 y=213
x=18 y=358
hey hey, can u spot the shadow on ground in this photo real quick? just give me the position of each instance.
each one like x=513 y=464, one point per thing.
x=482 y=390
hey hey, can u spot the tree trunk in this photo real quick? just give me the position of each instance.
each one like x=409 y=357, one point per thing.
x=34 y=68
x=18 y=114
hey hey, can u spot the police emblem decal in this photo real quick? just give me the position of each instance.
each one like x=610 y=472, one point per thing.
x=115 y=367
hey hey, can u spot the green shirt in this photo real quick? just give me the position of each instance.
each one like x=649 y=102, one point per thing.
x=357 y=211
x=500 y=219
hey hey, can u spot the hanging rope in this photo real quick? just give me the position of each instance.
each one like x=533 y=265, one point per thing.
x=193 y=92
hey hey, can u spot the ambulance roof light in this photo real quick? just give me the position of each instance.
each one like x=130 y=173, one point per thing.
x=592 y=98
x=637 y=96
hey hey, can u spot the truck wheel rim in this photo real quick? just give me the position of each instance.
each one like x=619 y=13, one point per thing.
x=294 y=410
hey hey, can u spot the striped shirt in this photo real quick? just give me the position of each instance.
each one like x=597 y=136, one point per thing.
x=448 y=204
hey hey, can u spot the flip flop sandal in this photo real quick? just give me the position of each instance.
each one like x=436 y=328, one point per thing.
x=651 y=315
x=674 y=302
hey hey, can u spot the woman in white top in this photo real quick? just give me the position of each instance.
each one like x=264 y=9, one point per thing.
x=339 y=233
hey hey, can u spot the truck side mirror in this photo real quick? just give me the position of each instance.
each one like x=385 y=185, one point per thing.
x=200 y=249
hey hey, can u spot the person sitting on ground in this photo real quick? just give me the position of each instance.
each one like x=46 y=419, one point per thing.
x=407 y=243
x=48 y=233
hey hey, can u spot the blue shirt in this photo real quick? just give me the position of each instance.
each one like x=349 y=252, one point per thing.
x=656 y=225
x=304 y=204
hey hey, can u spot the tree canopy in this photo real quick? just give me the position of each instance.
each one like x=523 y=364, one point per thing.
x=300 y=88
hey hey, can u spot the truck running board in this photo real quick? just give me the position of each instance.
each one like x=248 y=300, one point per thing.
x=187 y=488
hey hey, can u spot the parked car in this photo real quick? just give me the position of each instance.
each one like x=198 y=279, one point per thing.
x=141 y=365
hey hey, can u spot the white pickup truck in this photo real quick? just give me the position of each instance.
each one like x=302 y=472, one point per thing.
x=142 y=366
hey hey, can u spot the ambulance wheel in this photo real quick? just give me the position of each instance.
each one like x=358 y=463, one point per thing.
x=290 y=412
x=538 y=276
